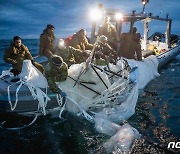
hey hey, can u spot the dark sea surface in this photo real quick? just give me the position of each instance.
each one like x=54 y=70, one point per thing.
x=157 y=118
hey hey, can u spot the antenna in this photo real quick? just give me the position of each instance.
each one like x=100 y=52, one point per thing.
x=144 y=2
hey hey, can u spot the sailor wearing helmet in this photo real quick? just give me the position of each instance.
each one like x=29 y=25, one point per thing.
x=105 y=51
x=69 y=54
x=56 y=71
x=80 y=41
x=107 y=29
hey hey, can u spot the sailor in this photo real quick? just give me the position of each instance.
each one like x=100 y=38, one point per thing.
x=110 y=32
x=56 y=71
x=126 y=40
x=16 y=53
x=136 y=48
x=105 y=51
x=80 y=41
x=130 y=45
x=69 y=54
x=47 y=42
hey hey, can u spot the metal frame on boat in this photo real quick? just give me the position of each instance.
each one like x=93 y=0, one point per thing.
x=169 y=50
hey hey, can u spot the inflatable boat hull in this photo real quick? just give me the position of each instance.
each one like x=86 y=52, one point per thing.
x=167 y=56
x=26 y=102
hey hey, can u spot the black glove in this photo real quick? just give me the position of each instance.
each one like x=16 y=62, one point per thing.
x=15 y=72
x=55 y=89
x=32 y=61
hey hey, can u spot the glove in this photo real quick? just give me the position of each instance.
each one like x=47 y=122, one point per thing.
x=14 y=62
x=55 y=89
x=63 y=94
x=15 y=72
x=32 y=61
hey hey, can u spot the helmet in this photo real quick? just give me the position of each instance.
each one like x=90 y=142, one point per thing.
x=56 y=60
x=49 y=26
x=106 y=18
x=134 y=30
x=137 y=36
x=103 y=39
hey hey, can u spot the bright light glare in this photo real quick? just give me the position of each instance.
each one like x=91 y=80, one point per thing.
x=144 y=3
x=118 y=16
x=61 y=43
x=95 y=14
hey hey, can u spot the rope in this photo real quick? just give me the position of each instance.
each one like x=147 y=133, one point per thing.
x=59 y=99
x=36 y=92
x=9 y=96
x=18 y=128
x=62 y=109
x=85 y=114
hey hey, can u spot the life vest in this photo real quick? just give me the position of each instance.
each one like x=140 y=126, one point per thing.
x=67 y=40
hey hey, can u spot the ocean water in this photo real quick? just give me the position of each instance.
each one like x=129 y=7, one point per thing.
x=157 y=118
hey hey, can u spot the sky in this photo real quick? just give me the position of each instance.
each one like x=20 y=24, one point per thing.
x=28 y=18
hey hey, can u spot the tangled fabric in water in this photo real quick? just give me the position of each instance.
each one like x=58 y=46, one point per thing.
x=122 y=136
x=122 y=140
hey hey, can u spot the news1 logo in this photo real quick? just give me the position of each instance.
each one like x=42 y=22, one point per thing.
x=174 y=145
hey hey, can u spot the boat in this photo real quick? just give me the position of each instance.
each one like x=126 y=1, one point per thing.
x=16 y=97
x=19 y=98
x=112 y=89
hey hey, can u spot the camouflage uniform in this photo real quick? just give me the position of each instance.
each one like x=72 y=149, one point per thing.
x=55 y=75
x=136 y=47
x=126 y=42
x=136 y=51
x=13 y=54
x=71 y=55
x=79 y=42
x=130 y=48
x=105 y=53
x=110 y=32
x=46 y=45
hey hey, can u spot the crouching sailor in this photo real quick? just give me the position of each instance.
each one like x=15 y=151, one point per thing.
x=16 y=53
x=104 y=52
x=69 y=54
x=56 y=71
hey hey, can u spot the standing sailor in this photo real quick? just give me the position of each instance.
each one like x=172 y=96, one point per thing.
x=109 y=30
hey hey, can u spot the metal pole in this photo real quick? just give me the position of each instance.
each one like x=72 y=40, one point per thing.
x=93 y=31
x=168 y=33
x=143 y=8
x=145 y=33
